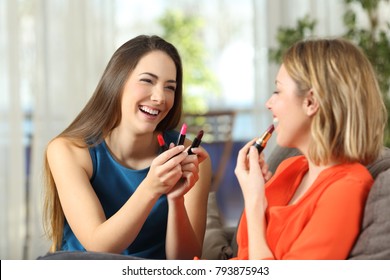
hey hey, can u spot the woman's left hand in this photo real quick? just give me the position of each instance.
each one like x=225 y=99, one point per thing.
x=190 y=169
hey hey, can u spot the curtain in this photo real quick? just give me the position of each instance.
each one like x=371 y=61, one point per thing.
x=12 y=160
x=53 y=53
x=75 y=41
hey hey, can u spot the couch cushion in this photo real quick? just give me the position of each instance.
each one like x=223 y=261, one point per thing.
x=382 y=163
x=279 y=154
x=85 y=255
x=373 y=242
x=216 y=244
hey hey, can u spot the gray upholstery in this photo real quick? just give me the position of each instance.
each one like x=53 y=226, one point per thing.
x=374 y=240
x=84 y=255
x=217 y=240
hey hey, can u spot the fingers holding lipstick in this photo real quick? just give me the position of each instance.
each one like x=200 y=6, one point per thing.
x=264 y=168
x=243 y=159
x=252 y=172
x=166 y=170
x=184 y=185
x=249 y=174
x=174 y=161
x=200 y=153
x=174 y=155
x=190 y=169
x=189 y=177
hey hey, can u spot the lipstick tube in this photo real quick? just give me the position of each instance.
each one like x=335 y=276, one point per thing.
x=196 y=142
x=262 y=141
x=182 y=136
x=161 y=142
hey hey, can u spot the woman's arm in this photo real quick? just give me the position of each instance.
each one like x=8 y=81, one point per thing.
x=71 y=167
x=187 y=213
x=252 y=172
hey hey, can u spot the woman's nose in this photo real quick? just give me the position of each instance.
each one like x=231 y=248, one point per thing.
x=158 y=95
x=268 y=104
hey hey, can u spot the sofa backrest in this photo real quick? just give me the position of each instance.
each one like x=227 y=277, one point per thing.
x=373 y=242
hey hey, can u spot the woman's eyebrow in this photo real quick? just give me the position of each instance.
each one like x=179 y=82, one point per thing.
x=277 y=82
x=150 y=74
x=156 y=77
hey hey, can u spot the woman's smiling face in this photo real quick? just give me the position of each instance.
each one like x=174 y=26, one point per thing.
x=149 y=92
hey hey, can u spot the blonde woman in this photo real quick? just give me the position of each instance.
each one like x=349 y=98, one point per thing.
x=327 y=103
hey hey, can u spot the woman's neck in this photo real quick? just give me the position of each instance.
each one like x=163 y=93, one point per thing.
x=309 y=178
x=132 y=150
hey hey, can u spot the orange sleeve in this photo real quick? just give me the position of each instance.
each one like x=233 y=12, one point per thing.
x=242 y=238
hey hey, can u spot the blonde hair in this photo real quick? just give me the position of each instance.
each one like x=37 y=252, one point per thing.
x=349 y=125
x=102 y=113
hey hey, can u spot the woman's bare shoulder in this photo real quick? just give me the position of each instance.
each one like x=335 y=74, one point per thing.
x=61 y=144
x=62 y=149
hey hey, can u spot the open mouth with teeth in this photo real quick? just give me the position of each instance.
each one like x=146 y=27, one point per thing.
x=275 y=121
x=149 y=111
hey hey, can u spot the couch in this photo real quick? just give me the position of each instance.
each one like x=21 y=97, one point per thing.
x=373 y=243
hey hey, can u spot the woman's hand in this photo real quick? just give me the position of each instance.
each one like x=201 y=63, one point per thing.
x=187 y=204
x=201 y=153
x=190 y=169
x=252 y=173
x=166 y=170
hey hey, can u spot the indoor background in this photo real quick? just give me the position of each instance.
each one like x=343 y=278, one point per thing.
x=53 y=52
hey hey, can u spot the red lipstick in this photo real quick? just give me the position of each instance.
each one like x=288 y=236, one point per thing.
x=162 y=143
x=262 y=141
x=196 y=142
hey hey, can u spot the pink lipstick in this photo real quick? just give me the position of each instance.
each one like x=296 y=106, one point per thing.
x=182 y=136
x=262 y=141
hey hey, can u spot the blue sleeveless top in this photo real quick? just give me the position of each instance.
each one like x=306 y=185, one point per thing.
x=114 y=184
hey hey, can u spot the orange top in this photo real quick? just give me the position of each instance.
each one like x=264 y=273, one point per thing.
x=324 y=223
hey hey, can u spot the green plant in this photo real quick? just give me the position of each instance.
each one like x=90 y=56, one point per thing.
x=374 y=41
x=198 y=82
x=286 y=36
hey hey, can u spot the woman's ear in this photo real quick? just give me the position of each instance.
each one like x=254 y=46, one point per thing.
x=311 y=104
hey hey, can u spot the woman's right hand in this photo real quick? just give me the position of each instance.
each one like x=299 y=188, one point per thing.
x=252 y=172
x=165 y=170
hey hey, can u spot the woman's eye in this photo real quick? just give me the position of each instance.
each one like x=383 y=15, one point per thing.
x=275 y=92
x=146 y=80
x=171 y=88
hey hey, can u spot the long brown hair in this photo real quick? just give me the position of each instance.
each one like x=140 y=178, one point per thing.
x=102 y=113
